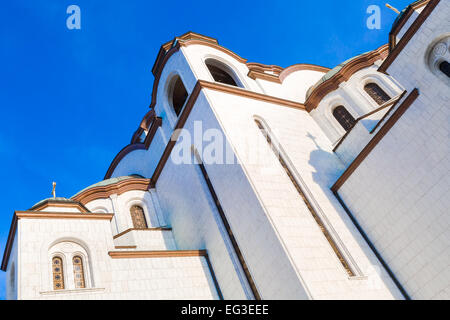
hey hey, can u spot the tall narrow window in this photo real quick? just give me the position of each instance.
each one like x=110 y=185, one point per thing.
x=444 y=66
x=219 y=73
x=376 y=93
x=313 y=212
x=344 y=118
x=78 y=272
x=58 y=273
x=178 y=95
x=138 y=217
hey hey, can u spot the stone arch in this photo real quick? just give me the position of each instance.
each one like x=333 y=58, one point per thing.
x=53 y=248
x=225 y=66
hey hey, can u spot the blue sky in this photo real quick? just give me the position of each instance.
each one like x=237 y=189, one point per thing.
x=71 y=99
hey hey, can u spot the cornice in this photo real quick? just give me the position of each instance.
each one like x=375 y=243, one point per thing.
x=103 y=192
x=156 y=254
x=51 y=203
x=299 y=67
x=249 y=94
x=364 y=61
x=278 y=74
x=126 y=150
x=151 y=123
x=62 y=215
x=185 y=43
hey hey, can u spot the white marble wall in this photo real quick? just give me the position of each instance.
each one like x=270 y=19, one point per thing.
x=400 y=192
x=106 y=278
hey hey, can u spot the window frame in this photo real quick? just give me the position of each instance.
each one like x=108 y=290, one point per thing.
x=77 y=248
x=83 y=273
x=144 y=216
x=225 y=67
x=170 y=92
x=338 y=122
x=63 y=272
x=382 y=90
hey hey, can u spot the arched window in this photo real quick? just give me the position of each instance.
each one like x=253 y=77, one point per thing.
x=178 y=94
x=344 y=118
x=78 y=272
x=219 y=73
x=138 y=217
x=277 y=151
x=376 y=93
x=444 y=66
x=58 y=273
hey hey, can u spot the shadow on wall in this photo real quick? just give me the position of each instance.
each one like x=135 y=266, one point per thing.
x=328 y=168
x=216 y=294
x=369 y=124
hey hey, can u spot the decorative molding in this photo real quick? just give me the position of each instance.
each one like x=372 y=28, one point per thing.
x=299 y=67
x=62 y=215
x=125 y=151
x=250 y=94
x=408 y=35
x=277 y=74
x=187 y=39
x=150 y=123
x=353 y=66
x=135 y=229
x=103 y=192
x=185 y=43
x=189 y=36
x=263 y=76
x=55 y=203
x=156 y=123
x=144 y=125
x=156 y=254
x=376 y=139
x=264 y=72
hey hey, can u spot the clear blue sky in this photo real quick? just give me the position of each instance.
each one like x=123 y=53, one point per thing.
x=71 y=99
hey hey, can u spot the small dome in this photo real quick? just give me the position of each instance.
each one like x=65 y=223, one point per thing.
x=57 y=199
x=330 y=74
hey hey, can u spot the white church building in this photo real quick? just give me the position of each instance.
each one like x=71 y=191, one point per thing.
x=252 y=181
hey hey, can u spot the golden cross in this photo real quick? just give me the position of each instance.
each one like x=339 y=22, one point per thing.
x=392 y=8
x=54 y=190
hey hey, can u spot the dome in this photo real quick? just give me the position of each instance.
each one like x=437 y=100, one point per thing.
x=57 y=199
x=330 y=74
x=110 y=181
